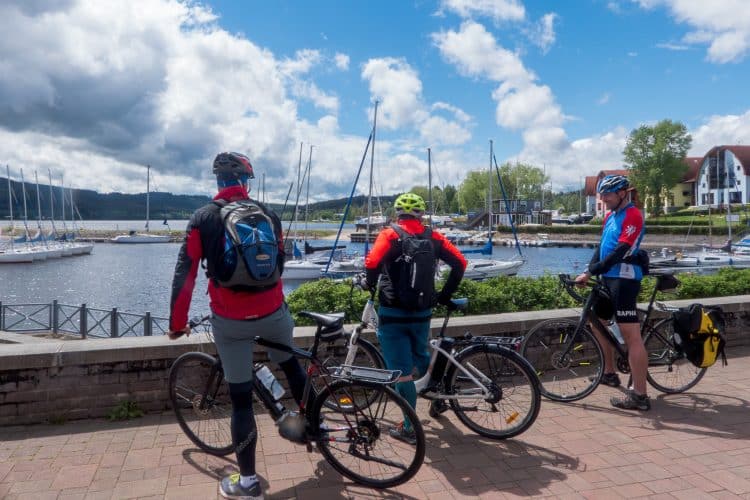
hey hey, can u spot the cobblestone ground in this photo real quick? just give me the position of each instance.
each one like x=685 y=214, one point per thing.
x=693 y=445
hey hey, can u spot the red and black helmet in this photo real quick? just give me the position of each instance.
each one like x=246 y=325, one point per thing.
x=233 y=165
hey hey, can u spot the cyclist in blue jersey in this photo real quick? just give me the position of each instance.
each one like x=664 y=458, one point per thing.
x=616 y=261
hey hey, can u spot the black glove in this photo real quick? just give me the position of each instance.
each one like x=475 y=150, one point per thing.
x=360 y=281
x=444 y=300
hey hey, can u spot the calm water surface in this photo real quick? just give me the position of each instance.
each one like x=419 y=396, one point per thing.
x=138 y=278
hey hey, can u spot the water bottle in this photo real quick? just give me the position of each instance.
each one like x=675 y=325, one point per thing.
x=616 y=332
x=269 y=381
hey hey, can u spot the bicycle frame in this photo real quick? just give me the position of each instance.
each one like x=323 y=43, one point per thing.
x=424 y=381
x=586 y=317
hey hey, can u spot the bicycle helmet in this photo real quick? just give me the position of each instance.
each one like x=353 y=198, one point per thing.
x=233 y=166
x=410 y=204
x=613 y=183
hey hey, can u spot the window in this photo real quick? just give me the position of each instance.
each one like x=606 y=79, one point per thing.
x=686 y=193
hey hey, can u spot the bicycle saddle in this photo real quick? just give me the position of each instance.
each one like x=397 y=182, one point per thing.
x=329 y=321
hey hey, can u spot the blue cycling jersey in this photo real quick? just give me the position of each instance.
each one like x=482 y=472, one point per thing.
x=623 y=226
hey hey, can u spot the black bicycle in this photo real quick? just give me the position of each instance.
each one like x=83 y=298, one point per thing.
x=348 y=421
x=569 y=360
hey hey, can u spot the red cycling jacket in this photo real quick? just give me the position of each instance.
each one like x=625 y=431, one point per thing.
x=385 y=251
x=204 y=239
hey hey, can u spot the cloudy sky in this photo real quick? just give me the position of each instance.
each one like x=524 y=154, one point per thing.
x=94 y=90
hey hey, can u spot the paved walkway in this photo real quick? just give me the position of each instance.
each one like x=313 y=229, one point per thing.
x=693 y=445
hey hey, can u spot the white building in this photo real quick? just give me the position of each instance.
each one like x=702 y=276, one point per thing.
x=724 y=176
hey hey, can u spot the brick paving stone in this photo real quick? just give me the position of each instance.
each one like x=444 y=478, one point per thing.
x=692 y=445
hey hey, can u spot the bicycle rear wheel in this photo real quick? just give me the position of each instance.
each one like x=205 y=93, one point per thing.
x=357 y=442
x=569 y=368
x=669 y=370
x=201 y=403
x=514 y=399
x=332 y=354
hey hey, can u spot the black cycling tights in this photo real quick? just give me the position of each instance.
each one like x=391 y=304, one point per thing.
x=244 y=434
x=295 y=376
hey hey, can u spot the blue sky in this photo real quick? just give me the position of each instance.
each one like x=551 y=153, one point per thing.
x=95 y=90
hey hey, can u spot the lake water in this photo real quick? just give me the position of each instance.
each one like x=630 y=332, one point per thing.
x=138 y=278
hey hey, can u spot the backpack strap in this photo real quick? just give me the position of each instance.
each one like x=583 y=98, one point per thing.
x=402 y=234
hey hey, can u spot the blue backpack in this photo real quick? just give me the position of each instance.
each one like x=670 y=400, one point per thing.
x=251 y=249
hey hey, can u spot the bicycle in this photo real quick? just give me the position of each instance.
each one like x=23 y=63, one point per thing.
x=347 y=421
x=489 y=387
x=569 y=360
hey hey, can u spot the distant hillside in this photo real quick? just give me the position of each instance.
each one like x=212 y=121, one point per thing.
x=119 y=206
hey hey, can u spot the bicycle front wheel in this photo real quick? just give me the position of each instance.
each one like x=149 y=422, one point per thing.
x=514 y=395
x=358 y=441
x=334 y=354
x=669 y=370
x=569 y=365
x=201 y=403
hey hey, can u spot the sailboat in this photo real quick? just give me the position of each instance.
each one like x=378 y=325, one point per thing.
x=484 y=268
x=134 y=237
x=299 y=268
x=12 y=254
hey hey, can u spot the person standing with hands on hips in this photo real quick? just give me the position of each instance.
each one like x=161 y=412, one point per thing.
x=405 y=257
x=616 y=260
x=246 y=299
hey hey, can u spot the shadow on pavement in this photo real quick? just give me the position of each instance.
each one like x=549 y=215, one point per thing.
x=513 y=463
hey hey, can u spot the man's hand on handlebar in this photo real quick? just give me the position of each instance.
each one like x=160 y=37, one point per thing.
x=175 y=334
x=360 y=281
x=582 y=279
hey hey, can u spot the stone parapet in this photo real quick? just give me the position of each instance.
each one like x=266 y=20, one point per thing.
x=46 y=380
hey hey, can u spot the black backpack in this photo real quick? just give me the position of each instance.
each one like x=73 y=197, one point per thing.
x=414 y=276
x=251 y=255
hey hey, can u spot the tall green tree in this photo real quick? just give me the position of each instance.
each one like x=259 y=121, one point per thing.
x=655 y=157
x=521 y=181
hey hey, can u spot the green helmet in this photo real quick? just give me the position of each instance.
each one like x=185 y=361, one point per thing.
x=410 y=204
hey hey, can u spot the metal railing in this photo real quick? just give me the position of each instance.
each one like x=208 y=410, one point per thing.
x=79 y=320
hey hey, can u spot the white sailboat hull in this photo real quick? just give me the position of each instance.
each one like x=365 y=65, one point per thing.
x=301 y=270
x=482 y=269
x=16 y=256
x=140 y=238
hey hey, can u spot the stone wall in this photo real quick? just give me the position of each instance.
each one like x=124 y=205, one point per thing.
x=44 y=380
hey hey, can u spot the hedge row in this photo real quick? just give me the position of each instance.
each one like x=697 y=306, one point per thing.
x=511 y=294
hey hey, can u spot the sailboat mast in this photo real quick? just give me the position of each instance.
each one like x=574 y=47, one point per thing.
x=307 y=195
x=62 y=217
x=489 y=196
x=39 y=208
x=51 y=203
x=148 y=192
x=429 y=182
x=25 y=212
x=372 y=168
x=10 y=205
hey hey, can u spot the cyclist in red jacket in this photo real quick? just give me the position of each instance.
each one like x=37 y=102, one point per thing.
x=238 y=315
x=403 y=322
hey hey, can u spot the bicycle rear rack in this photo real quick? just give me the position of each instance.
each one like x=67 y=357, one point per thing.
x=365 y=374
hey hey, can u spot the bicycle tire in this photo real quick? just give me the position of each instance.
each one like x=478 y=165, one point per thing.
x=563 y=378
x=513 y=384
x=334 y=353
x=669 y=371
x=209 y=428
x=353 y=437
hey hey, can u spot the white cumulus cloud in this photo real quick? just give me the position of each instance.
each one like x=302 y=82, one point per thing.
x=397 y=86
x=723 y=25
x=497 y=10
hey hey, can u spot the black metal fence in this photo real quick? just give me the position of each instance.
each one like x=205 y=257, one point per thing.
x=79 y=320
